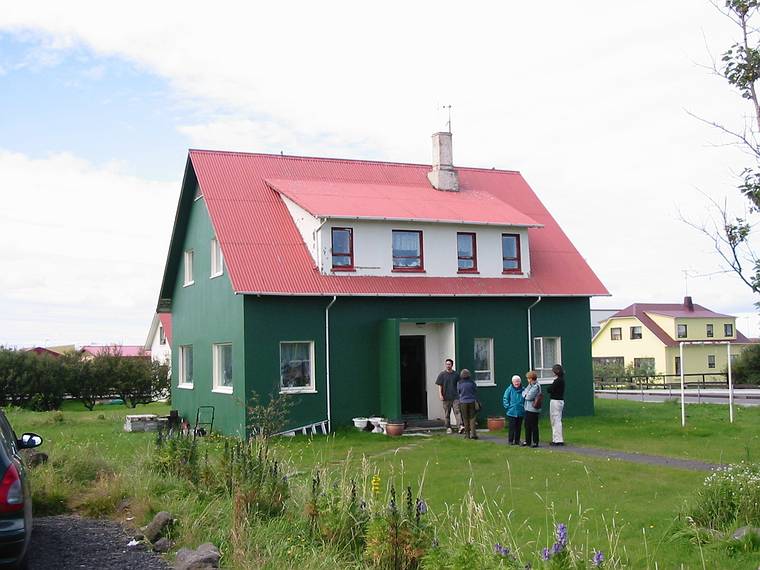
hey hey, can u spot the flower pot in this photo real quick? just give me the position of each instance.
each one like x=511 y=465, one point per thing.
x=496 y=423
x=360 y=423
x=394 y=428
x=375 y=420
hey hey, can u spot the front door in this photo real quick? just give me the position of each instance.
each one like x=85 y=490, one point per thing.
x=413 y=394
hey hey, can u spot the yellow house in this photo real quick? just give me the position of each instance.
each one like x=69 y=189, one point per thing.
x=648 y=336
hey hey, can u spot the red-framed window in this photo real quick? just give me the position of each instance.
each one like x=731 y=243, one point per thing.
x=407 y=250
x=342 y=249
x=467 y=252
x=510 y=253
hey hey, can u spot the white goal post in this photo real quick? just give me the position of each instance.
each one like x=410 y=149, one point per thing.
x=730 y=382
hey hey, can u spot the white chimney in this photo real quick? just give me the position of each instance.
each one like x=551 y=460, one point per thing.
x=443 y=176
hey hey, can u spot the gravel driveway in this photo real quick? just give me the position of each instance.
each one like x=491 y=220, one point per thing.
x=69 y=542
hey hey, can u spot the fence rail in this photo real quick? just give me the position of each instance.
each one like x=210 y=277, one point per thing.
x=663 y=381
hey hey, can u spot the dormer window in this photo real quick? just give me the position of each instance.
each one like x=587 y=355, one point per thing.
x=342 y=249
x=728 y=329
x=510 y=253
x=467 y=254
x=407 y=250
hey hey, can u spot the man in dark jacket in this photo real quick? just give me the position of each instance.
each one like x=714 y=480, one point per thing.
x=447 y=391
x=557 y=405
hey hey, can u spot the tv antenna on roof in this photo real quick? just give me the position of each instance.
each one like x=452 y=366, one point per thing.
x=448 y=124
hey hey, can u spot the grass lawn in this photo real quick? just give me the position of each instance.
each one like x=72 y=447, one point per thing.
x=527 y=487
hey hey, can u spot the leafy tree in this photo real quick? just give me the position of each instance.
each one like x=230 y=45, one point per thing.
x=746 y=368
x=740 y=67
x=81 y=381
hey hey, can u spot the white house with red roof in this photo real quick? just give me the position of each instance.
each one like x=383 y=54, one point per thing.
x=648 y=336
x=158 y=343
x=346 y=283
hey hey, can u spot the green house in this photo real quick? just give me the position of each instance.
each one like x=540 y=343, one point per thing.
x=347 y=283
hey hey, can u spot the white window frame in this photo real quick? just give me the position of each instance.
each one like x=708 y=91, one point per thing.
x=217 y=260
x=492 y=376
x=545 y=375
x=161 y=335
x=216 y=364
x=711 y=365
x=300 y=389
x=188 y=267
x=183 y=383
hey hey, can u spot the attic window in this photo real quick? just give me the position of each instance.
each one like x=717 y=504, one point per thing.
x=407 y=250
x=681 y=331
x=198 y=193
x=635 y=333
x=616 y=333
x=728 y=329
x=510 y=253
x=161 y=335
x=467 y=254
x=217 y=262
x=342 y=249
x=188 y=268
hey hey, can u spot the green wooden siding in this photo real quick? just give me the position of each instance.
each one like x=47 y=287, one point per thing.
x=203 y=314
x=362 y=358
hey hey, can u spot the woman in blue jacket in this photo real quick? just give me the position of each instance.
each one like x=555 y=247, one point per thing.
x=514 y=406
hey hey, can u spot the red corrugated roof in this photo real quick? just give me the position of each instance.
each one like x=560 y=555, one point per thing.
x=372 y=201
x=264 y=252
x=166 y=322
x=676 y=310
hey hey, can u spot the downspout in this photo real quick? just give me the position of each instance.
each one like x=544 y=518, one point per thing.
x=530 y=336
x=327 y=360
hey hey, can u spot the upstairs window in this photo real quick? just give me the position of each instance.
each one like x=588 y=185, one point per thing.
x=188 y=268
x=342 y=249
x=217 y=263
x=711 y=361
x=728 y=329
x=161 y=335
x=678 y=364
x=616 y=333
x=407 y=250
x=510 y=253
x=467 y=254
x=635 y=333
x=681 y=331
x=709 y=330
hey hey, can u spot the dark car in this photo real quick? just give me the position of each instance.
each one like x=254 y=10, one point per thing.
x=15 y=499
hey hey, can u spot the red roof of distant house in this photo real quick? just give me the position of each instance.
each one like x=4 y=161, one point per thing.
x=124 y=349
x=166 y=322
x=373 y=201
x=264 y=253
x=41 y=350
x=676 y=310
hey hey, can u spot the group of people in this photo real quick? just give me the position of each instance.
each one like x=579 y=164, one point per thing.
x=459 y=394
x=520 y=402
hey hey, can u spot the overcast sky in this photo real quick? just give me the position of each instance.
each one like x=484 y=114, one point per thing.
x=99 y=103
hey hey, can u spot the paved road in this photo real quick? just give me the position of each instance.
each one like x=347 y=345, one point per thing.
x=693 y=396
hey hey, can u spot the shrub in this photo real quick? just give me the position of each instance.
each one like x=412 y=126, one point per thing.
x=176 y=454
x=729 y=497
x=746 y=368
x=84 y=467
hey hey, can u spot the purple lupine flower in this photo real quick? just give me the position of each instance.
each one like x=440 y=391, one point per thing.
x=421 y=506
x=561 y=533
x=557 y=548
x=545 y=554
x=598 y=558
x=501 y=550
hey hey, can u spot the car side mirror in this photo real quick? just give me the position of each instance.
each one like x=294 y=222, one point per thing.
x=29 y=440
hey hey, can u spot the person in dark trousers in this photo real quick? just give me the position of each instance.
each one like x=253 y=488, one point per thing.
x=468 y=396
x=447 y=391
x=557 y=405
x=531 y=412
x=514 y=406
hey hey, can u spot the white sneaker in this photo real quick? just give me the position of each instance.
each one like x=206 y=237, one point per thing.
x=449 y=430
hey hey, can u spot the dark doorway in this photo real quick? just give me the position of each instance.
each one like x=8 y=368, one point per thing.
x=413 y=395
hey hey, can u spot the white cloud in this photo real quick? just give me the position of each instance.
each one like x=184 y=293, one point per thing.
x=588 y=102
x=83 y=242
